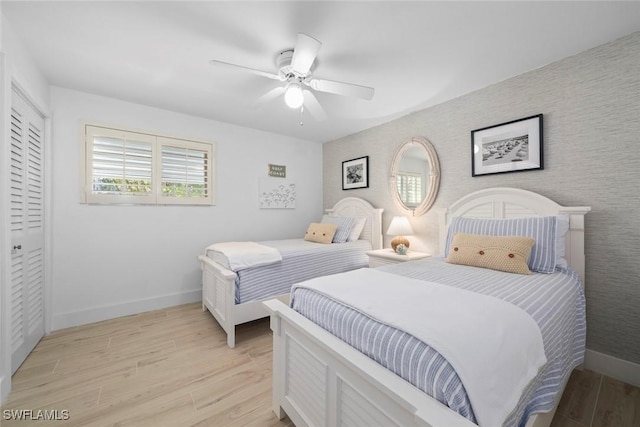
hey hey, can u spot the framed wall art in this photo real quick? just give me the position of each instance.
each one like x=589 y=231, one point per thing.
x=508 y=147
x=355 y=173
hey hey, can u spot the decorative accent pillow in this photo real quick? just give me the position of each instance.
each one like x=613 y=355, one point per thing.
x=543 y=229
x=502 y=253
x=356 y=231
x=320 y=233
x=344 y=224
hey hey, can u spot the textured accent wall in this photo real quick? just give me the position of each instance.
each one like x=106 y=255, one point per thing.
x=591 y=107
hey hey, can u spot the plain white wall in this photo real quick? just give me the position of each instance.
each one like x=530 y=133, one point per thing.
x=110 y=261
x=23 y=68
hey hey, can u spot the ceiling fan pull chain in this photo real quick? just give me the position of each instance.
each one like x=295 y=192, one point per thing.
x=301 y=111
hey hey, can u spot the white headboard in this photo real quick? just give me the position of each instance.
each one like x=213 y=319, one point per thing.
x=502 y=202
x=359 y=208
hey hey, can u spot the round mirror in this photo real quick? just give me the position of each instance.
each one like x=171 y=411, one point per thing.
x=415 y=175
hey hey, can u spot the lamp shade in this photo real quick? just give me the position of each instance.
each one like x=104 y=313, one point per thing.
x=399 y=226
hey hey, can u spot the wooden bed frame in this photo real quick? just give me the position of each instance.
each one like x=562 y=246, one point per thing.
x=219 y=283
x=319 y=380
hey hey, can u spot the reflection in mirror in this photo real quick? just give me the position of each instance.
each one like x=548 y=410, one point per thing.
x=415 y=175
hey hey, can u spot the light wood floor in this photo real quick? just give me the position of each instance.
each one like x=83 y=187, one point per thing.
x=172 y=368
x=162 y=368
x=594 y=400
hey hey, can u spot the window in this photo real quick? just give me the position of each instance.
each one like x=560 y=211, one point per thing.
x=410 y=188
x=125 y=167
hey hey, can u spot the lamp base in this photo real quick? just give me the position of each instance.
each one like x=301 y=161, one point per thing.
x=398 y=240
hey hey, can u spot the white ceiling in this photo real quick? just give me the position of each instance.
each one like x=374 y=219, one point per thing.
x=415 y=54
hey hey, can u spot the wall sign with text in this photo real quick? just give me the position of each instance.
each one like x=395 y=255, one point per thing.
x=279 y=171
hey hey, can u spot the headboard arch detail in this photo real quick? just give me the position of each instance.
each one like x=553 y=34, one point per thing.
x=360 y=208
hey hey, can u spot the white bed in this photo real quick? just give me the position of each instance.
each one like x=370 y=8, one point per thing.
x=219 y=283
x=320 y=380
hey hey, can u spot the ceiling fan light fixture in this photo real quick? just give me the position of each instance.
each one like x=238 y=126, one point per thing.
x=295 y=73
x=293 y=96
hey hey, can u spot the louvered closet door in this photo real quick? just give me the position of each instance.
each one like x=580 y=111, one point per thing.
x=27 y=229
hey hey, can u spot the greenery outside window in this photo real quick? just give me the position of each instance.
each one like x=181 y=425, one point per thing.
x=127 y=167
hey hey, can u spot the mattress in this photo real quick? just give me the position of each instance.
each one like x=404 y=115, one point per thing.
x=301 y=260
x=555 y=301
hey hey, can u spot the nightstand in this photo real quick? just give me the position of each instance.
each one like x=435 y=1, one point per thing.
x=387 y=256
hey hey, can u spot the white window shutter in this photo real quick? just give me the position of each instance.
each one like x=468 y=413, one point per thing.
x=185 y=175
x=119 y=166
x=126 y=167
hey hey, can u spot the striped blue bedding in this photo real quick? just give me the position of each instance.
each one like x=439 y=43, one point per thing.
x=555 y=301
x=301 y=260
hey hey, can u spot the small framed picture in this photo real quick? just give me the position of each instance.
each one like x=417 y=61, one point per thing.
x=508 y=147
x=355 y=173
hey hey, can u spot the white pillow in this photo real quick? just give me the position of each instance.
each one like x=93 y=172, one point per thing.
x=561 y=230
x=356 y=230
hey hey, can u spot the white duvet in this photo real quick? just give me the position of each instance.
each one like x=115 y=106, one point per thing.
x=495 y=347
x=243 y=255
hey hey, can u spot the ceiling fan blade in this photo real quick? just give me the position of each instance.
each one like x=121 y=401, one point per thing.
x=340 y=88
x=304 y=54
x=314 y=107
x=269 y=96
x=241 y=68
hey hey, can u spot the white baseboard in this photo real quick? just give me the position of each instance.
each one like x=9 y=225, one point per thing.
x=105 y=312
x=5 y=388
x=613 y=367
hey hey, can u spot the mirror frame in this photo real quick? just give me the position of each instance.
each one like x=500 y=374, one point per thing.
x=434 y=175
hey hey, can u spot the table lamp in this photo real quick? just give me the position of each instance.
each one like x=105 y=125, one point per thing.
x=399 y=227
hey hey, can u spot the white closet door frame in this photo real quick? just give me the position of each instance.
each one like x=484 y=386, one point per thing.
x=28 y=179
x=5 y=319
x=47 y=152
x=9 y=82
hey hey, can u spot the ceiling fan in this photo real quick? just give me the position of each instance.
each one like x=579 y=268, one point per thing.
x=294 y=69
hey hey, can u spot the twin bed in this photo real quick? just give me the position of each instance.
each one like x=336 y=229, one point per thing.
x=351 y=349
x=235 y=297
